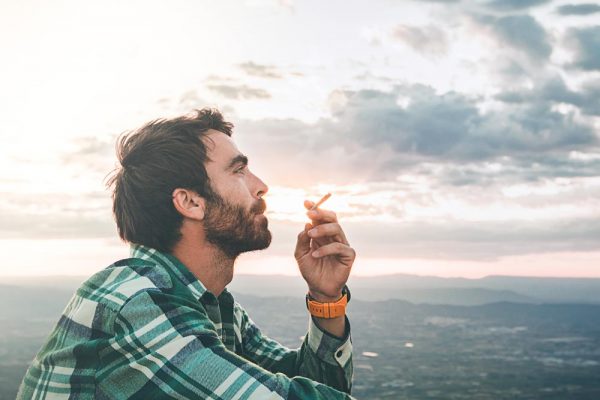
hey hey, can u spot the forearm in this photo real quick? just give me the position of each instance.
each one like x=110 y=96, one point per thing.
x=334 y=326
x=322 y=357
x=332 y=354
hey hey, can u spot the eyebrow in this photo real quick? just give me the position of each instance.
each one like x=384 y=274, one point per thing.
x=239 y=159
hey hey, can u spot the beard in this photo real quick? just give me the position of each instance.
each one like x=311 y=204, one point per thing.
x=233 y=229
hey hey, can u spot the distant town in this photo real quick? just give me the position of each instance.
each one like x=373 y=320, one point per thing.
x=402 y=350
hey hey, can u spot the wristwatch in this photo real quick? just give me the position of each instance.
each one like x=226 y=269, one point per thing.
x=329 y=310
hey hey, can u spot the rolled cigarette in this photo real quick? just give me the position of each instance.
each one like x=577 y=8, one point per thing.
x=323 y=200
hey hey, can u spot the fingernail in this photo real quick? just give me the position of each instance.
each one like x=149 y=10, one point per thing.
x=316 y=253
x=312 y=232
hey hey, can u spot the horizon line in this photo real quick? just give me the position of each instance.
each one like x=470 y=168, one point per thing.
x=351 y=276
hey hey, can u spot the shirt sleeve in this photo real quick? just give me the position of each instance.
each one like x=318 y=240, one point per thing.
x=322 y=357
x=165 y=347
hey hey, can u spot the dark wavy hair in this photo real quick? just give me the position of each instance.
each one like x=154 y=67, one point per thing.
x=161 y=156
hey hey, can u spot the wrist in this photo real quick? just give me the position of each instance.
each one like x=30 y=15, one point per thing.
x=326 y=306
x=322 y=298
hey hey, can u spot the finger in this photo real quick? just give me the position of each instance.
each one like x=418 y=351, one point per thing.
x=320 y=215
x=314 y=245
x=308 y=204
x=303 y=242
x=335 y=249
x=331 y=230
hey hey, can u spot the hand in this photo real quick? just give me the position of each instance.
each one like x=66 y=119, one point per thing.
x=323 y=255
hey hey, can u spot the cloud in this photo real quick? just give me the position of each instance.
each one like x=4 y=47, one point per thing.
x=554 y=91
x=578 y=9
x=370 y=137
x=374 y=135
x=521 y=32
x=430 y=125
x=427 y=40
x=261 y=71
x=511 y=5
x=456 y=240
x=450 y=125
x=56 y=216
x=54 y=226
x=510 y=171
x=93 y=152
x=305 y=154
x=190 y=100
x=240 y=92
x=587 y=47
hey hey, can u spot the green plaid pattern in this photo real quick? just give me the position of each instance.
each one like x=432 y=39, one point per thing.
x=146 y=328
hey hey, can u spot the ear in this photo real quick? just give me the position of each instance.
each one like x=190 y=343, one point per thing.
x=189 y=204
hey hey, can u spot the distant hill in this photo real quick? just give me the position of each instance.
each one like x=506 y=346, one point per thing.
x=413 y=288
x=549 y=290
x=436 y=290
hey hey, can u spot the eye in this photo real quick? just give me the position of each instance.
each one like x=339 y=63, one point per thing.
x=240 y=170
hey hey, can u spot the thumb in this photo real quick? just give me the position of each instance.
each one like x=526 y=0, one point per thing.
x=303 y=242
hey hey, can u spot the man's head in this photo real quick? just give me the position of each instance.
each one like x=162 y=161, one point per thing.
x=187 y=170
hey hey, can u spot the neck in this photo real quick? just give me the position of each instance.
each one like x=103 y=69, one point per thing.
x=207 y=262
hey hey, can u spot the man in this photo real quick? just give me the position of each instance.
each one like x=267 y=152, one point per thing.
x=162 y=324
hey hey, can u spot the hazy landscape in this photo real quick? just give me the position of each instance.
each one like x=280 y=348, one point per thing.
x=414 y=337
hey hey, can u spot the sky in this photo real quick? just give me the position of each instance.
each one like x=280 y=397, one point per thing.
x=458 y=138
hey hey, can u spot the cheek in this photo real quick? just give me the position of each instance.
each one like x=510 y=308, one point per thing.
x=237 y=190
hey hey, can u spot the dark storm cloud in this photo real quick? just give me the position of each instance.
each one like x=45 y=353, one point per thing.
x=240 y=92
x=578 y=9
x=587 y=48
x=511 y=5
x=521 y=32
x=262 y=71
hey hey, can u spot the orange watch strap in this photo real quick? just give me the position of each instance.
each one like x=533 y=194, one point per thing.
x=327 y=310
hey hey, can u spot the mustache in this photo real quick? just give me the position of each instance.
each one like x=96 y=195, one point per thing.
x=259 y=207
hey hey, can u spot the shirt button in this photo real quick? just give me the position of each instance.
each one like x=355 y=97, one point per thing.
x=339 y=353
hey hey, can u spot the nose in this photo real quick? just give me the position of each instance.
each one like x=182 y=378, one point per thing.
x=261 y=188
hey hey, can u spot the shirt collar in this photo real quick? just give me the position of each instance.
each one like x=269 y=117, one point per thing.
x=172 y=264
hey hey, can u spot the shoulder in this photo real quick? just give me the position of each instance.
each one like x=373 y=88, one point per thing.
x=99 y=299
x=122 y=280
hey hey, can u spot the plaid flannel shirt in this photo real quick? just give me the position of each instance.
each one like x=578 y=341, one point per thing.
x=146 y=328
